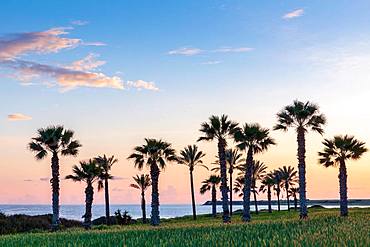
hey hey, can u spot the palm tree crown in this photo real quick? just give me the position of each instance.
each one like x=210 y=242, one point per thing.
x=191 y=157
x=106 y=164
x=217 y=128
x=88 y=171
x=142 y=182
x=209 y=182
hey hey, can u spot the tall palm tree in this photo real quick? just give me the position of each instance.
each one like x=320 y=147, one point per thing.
x=105 y=164
x=220 y=128
x=155 y=154
x=210 y=184
x=191 y=157
x=233 y=161
x=289 y=178
x=278 y=183
x=303 y=117
x=267 y=183
x=258 y=172
x=87 y=172
x=253 y=139
x=336 y=152
x=293 y=192
x=57 y=141
x=142 y=183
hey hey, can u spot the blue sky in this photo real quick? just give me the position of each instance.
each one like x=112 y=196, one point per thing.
x=244 y=58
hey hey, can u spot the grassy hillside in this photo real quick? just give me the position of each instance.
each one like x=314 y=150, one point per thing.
x=324 y=228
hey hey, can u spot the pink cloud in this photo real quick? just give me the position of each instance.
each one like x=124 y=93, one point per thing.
x=140 y=84
x=294 y=14
x=18 y=117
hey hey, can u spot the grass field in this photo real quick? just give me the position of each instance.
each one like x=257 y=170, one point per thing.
x=323 y=228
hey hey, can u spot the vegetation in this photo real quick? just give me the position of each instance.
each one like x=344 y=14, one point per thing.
x=57 y=141
x=288 y=178
x=219 y=129
x=323 y=228
x=191 y=157
x=142 y=183
x=155 y=154
x=303 y=117
x=210 y=185
x=336 y=152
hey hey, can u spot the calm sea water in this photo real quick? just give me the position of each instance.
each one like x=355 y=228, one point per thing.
x=76 y=211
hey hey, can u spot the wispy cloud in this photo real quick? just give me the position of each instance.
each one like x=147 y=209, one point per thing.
x=119 y=178
x=45 y=179
x=18 y=117
x=294 y=14
x=211 y=62
x=89 y=62
x=233 y=50
x=185 y=51
x=28 y=180
x=79 y=22
x=140 y=84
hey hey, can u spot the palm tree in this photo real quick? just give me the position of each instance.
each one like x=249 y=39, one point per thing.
x=253 y=139
x=289 y=178
x=293 y=192
x=336 y=152
x=259 y=171
x=142 y=183
x=105 y=164
x=191 y=157
x=155 y=154
x=220 y=128
x=267 y=183
x=233 y=160
x=210 y=184
x=278 y=182
x=87 y=172
x=303 y=117
x=56 y=140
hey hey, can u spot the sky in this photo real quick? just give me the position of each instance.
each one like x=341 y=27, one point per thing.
x=117 y=72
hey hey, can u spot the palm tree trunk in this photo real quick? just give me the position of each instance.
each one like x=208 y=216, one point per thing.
x=89 y=192
x=154 y=173
x=55 y=191
x=192 y=195
x=302 y=174
x=214 y=201
x=247 y=186
x=278 y=198
x=269 y=198
x=255 y=200
x=343 y=189
x=143 y=209
x=224 y=192
x=287 y=194
x=107 y=213
x=295 y=202
x=231 y=189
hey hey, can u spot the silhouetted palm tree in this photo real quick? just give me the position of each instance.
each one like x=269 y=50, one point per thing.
x=191 y=157
x=210 y=184
x=142 y=183
x=267 y=183
x=253 y=139
x=87 y=172
x=293 y=192
x=289 y=178
x=303 y=117
x=233 y=160
x=278 y=184
x=336 y=152
x=56 y=140
x=155 y=154
x=105 y=164
x=220 y=128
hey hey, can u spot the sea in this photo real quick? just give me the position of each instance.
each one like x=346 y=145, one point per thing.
x=75 y=212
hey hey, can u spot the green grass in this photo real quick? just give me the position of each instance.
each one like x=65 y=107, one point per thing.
x=323 y=228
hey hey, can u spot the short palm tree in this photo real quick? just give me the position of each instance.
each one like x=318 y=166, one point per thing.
x=219 y=129
x=57 y=141
x=155 y=154
x=267 y=183
x=253 y=139
x=293 y=193
x=87 y=172
x=336 y=152
x=105 y=164
x=142 y=183
x=210 y=184
x=191 y=157
x=277 y=187
x=289 y=178
x=303 y=117
x=233 y=161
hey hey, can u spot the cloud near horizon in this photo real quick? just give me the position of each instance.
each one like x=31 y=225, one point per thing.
x=294 y=14
x=188 y=51
x=18 y=117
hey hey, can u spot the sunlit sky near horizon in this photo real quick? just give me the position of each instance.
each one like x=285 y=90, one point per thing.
x=116 y=72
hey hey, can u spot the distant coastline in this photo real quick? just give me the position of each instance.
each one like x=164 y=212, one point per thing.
x=331 y=202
